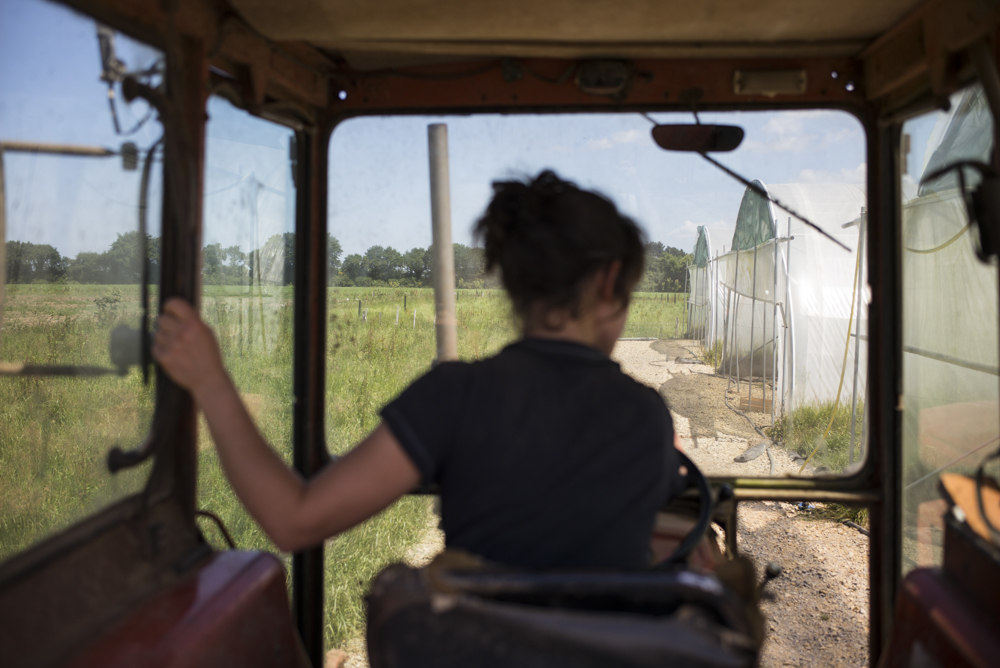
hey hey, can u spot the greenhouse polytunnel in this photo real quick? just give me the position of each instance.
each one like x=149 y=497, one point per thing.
x=702 y=289
x=789 y=302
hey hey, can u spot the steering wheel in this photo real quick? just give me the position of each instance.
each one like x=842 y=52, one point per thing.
x=706 y=504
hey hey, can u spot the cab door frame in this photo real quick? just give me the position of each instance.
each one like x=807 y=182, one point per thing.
x=909 y=69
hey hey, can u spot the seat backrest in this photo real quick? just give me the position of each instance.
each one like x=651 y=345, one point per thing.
x=491 y=618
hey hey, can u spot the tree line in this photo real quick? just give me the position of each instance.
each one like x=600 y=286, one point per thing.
x=382 y=266
x=41 y=263
x=274 y=264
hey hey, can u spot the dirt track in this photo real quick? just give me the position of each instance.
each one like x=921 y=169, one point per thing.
x=819 y=615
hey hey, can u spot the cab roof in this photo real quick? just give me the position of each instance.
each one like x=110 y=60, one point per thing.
x=371 y=34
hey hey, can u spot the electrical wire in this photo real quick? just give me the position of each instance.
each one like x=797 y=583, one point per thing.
x=942 y=246
x=952 y=462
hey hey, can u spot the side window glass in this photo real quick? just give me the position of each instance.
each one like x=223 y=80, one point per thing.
x=78 y=168
x=248 y=268
x=950 y=370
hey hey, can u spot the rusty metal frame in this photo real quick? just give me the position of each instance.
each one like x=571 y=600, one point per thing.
x=147 y=541
x=309 y=438
x=209 y=49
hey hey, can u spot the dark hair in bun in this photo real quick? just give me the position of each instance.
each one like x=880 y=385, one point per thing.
x=547 y=237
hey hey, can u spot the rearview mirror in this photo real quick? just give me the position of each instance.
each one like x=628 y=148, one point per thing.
x=698 y=138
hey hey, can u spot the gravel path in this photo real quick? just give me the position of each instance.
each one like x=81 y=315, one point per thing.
x=819 y=614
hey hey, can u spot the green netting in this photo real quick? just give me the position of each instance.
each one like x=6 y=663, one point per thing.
x=701 y=249
x=753 y=223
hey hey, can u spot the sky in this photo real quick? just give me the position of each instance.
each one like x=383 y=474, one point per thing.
x=379 y=177
x=669 y=194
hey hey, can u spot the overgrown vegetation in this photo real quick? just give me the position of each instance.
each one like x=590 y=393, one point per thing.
x=712 y=356
x=55 y=433
x=838 y=512
x=803 y=432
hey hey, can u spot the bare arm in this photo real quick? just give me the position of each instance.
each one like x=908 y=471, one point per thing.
x=293 y=512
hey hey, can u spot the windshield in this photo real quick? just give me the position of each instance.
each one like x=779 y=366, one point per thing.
x=760 y=352
x=749 y=323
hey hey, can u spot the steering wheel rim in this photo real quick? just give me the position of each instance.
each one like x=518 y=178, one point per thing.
x=706 y=500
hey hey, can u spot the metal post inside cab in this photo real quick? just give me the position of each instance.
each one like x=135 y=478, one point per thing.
x=443 y=265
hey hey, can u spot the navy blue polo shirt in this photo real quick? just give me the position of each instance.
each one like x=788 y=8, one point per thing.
x=547 y=455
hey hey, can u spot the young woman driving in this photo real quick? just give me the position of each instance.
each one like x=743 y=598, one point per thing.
x=546 y=455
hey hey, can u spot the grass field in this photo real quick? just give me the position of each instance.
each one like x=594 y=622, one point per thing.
x=55 y=433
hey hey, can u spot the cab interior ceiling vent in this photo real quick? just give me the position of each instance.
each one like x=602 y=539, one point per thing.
x=769 y=82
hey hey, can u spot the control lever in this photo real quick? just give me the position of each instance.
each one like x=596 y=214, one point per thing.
x=126 y=350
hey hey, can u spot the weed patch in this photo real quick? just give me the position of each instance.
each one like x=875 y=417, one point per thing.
x=803 y=432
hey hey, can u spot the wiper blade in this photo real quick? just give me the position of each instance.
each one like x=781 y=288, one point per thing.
x=763 y=193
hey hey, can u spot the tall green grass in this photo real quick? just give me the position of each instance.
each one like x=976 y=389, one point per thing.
x=802 y=431
x=659 y=315
x=55 y=433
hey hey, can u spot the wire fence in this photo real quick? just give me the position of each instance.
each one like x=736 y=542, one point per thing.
x=655 y=330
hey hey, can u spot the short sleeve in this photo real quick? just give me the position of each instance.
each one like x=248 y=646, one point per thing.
x=424 y=417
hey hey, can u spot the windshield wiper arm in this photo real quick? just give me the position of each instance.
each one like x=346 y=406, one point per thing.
x=763 y=193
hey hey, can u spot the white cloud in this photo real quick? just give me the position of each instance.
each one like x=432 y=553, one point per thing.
x=855 y=176
x=623 y=137
x=791 y=132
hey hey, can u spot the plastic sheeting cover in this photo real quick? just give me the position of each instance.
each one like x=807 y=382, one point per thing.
x=703 y=248
x=965 y=135
x=808 y=287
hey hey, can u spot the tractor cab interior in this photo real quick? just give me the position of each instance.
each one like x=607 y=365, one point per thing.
x=833 y=166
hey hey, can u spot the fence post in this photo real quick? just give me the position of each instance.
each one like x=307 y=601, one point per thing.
x=857 y=331
x=774 y=325
x=789 y=370
x=734 y=349
x=753 y=307
x=443 y=274
x=397 y=316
